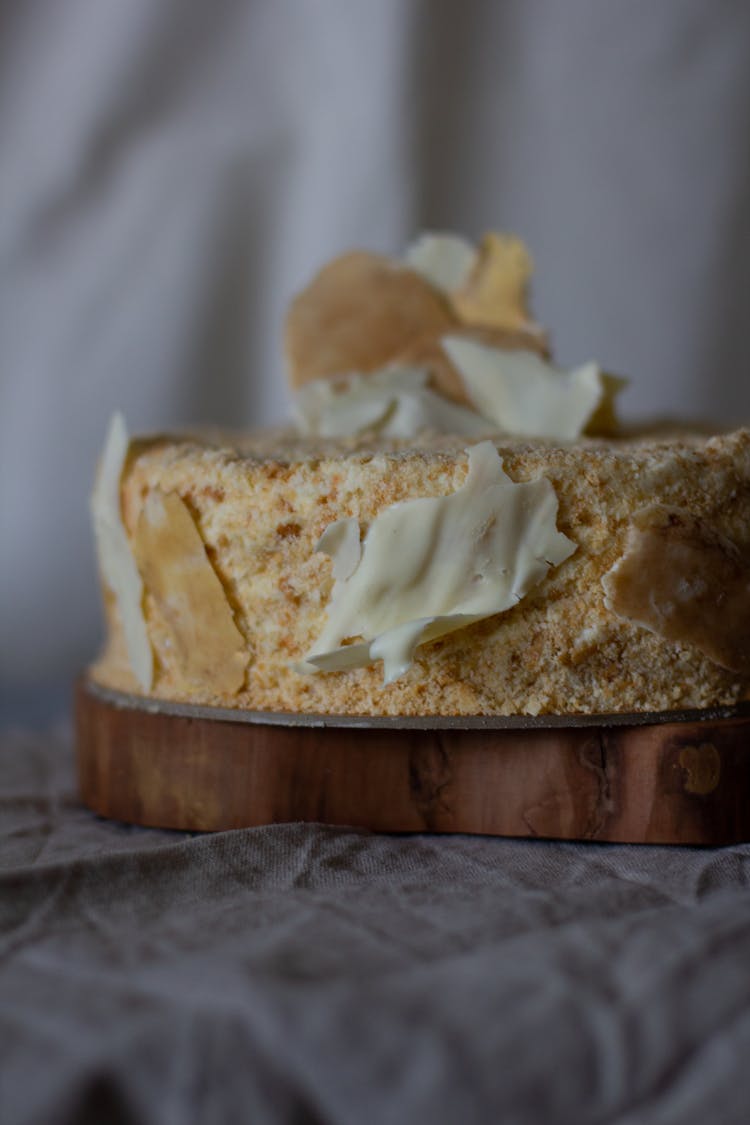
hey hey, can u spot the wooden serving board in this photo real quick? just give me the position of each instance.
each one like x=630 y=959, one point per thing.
x=675 y=778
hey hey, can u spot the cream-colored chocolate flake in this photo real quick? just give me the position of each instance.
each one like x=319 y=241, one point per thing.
x=209 y=648
x=684 y=581
x=340 y=541
x=116 y=563
x=434 y=565
x=445 y=260
x=522 y=394
x=429 y=354
x=495 y=292
x=358 y=315
x=394 y=403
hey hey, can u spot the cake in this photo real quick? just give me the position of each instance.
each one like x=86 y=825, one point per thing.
x=453 y=527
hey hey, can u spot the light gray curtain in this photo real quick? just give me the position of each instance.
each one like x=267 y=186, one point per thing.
x=171 y=171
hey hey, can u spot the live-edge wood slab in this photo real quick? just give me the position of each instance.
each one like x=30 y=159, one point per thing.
x=667 y=782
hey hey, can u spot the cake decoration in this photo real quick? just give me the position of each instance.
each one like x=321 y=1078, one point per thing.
x=341 y=542
x=495 y=294
x=488 y=285
x=364 y=312
x=360 y=313
x=117 y=566
x=428 y=354
x=434 y=565
x=522 y=394
x=388 y=347
x=210 y=651
x=685 y=581
x=445 y=260
x=395 y=402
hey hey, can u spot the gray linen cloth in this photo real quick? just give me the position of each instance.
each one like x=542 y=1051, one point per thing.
x=300 y=973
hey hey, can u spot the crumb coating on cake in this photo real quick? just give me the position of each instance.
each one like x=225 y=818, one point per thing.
x=261 y=504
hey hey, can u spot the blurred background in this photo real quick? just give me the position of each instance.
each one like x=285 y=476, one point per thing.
x=173 y=170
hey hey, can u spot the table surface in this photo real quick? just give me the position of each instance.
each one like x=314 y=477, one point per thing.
x=300 y=973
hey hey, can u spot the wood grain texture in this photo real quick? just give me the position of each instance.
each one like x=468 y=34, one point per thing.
x=670 y=783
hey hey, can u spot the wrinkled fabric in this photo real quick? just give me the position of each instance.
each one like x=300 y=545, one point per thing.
x=299 y=973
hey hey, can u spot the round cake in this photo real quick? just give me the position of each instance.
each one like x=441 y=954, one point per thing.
x=367 y=564
x=260 y=507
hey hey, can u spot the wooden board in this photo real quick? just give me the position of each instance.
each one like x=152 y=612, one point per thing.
x=667 y=782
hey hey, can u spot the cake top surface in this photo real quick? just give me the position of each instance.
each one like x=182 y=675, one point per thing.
x=284 y=446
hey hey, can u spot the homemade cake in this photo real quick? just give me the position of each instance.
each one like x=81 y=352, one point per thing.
x=522 y=561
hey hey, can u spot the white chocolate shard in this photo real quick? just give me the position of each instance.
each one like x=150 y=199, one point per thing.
x=428 y=354
x=117 y=565
x=445 y=260
x=395 y=402
x=434 y=565
x=522 y=394
x=340 y=541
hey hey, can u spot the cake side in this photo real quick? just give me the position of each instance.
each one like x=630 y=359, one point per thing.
x=260 y=507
